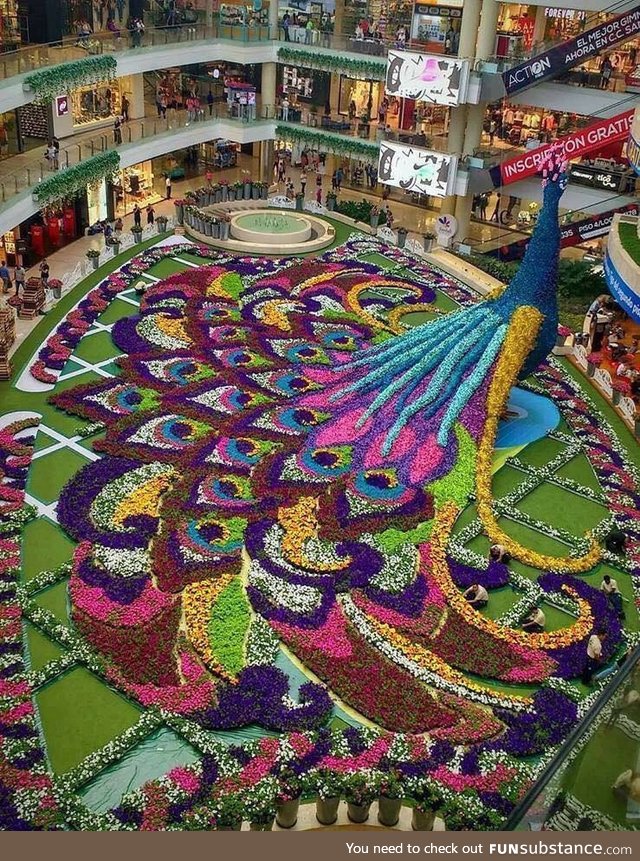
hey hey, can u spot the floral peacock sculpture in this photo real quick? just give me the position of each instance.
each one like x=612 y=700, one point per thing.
x=280 y=477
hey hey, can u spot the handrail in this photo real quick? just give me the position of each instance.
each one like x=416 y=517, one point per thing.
x=568 y=747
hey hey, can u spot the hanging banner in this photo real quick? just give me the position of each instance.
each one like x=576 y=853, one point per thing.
x=575 y=145
x=415 y=169
x=633 y=144
x=576 y=51
x=622 y=292
x=427 y=77
x=591 y=228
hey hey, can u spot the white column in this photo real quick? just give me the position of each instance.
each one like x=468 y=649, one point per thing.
x=136 y=99
x=455 y=138
x=274 y=26
x=469 y=27
x=209 y=12
x=539 y=25
x=266 y=161
x=268 y=94
x=485 y=45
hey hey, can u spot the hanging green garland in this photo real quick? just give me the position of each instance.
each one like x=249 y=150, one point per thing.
x=364 y=69
x=327 y=142
x=54 y=81
x=66 y=183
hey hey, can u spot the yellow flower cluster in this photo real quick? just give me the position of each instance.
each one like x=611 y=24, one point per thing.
x=353 y=301
x=174 y=328
x=444 y=521
x=317 y=279
x=143 y=500
x=518 y=343
x=396 y=314
x=197 y=601
x=300 y=524
x=216 y=287
x=273 y=313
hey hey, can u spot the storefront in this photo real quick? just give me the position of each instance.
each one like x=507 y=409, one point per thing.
x=432 y=22
x=12 y=26
x=305 y=86
x=97 y=202
x=9 y=138
x=241 y=101
x=219 y=154
x=136 y=184
x=365 y=95
x=563 y=24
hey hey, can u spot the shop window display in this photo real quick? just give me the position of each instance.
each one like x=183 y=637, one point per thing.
x=134 y=185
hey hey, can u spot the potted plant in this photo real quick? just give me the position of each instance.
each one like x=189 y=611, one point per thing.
x=428 y=240
x=621 y=387
x=137 y=232
x=224 y=190
x=390 y=799
x=215 y=228
x=55 y=285
x=593 y=362
x=359 y=791
x=94 y=256
x=114 y=243
x=427 y=800
x=402 y=236
x=332 y=200
x=374 y=216
x=299 y=201
x=288 y=798
x=228 y=814
x=161 y=223
x=224 y=226
x=260 y=804
x=246 y=183
x=328 y=785
x=255 y=191
x=231 y=192
x=264 y=190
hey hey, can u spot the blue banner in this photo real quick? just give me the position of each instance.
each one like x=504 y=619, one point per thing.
x=633 y=153
x=627 y=298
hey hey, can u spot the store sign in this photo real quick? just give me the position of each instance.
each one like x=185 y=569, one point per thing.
x=594 y=177
x=575 y=145
x=593 y=227
x=62 y=106
x=578 y=50
x=431 y=11
x=622 y=292
x=415 y=169
x=633 y=153
x=427 y=77
x=632 y=81
x=568 y=14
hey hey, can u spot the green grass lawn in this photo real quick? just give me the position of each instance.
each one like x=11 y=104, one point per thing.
x=44 y=547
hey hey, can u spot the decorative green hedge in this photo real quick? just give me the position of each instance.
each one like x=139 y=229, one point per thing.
x=66 y=183
x=364 y=69
x=54 y=81
x=333 y=143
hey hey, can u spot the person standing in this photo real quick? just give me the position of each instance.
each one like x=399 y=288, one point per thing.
x=303 y=182
x=167 y=186
x=137 y=217
x=594 y=655
x=286 y=21
x=151 y=215
x=308 y=32
x=19 y=276
x=5 y=275
x=44 y=273
x=285 y=110
x=125 y=109
x=117 y=131
x=482 y=206
x=339 y=178
x=210 y=102
x=606 y=69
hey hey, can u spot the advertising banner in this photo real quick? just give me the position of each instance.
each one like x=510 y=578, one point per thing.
x=624 y=295
x=593 y=177
x=575 y=145
x=633 y=144
x=416 y=169
x=578 y=50
x=427 y=77
x=591 y=228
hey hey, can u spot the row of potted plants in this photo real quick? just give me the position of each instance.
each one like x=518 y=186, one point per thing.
x=221 y=192
x=216 y=226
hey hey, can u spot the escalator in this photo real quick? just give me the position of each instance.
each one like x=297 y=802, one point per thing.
x=559 y=59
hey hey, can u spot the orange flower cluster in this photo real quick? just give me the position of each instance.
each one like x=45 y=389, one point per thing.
x=197 y=601
x=519 y=342
x=145 y=499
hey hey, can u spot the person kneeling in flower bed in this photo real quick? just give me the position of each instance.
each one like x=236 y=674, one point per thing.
x=477 y=596
x=535 y=621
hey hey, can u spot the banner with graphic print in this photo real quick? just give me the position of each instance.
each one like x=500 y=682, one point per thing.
x=633 y=144
x=622 y=292
x=575 y=145
x=415 y=169
x=427 y=77
x=576 y=51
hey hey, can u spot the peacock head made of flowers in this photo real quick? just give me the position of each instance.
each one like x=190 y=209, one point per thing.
x=280 y=474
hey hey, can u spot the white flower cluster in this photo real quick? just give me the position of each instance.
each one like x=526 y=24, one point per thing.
x=123 y=563
x=298 y=599
x=105 y=504
x=262 y=643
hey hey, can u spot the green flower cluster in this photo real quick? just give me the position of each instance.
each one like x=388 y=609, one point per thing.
x=333 y=143
x=363 y=69
x=54 y=81
x=67 y=182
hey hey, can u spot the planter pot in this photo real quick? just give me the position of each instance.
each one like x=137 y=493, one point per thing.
x=57 y=292
x=327 y=810
x=247 y=191
x=224 y=191
x=373 y=221
x=115 y=247
x=264 y=193
x=95 y=262
x=389 y=811
x=215 y=230
x=261 y=826
x=180 y=214
x=231 y=194
x=358 y=812
x=161 y=226
x=299 y=204
x=255 y=193
x=137 y=238
x=616 y=396
x=591 y=369
x=402 y=238
x=208 y=228
x=637 y=428
x=217 y=195
x=331 y=204
x=422 y=820
x=287 y=814
x=235 y=827
x=428 y=244
x=224 y=230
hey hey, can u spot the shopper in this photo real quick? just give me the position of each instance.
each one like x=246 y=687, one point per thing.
x=339 y=178
x=5 y=275
x=167 y=185
x=117 y=131
x=594 y=654
x=285 y=110
x=286 y=22
x=19 y=277
x=303 y=183
x=606 y=69
x=125 y=109
x=210 y=102
x=44 y=273
x=151 y=214
x=137 y=216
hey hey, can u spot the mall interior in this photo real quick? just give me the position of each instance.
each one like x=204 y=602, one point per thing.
x=244 y=612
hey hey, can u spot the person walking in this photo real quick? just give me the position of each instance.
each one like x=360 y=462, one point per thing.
x=167 y=186
x=44 y=273
x=125 y=109
x=339 y=178
x=137 y=216
x=303 y=183
x=5 y=275
x=151 y=214
x=606 y=70
x=19 y=277
x=117 y=131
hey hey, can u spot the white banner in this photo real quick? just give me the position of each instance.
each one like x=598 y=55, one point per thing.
x=427 y=77
x=413 y=168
